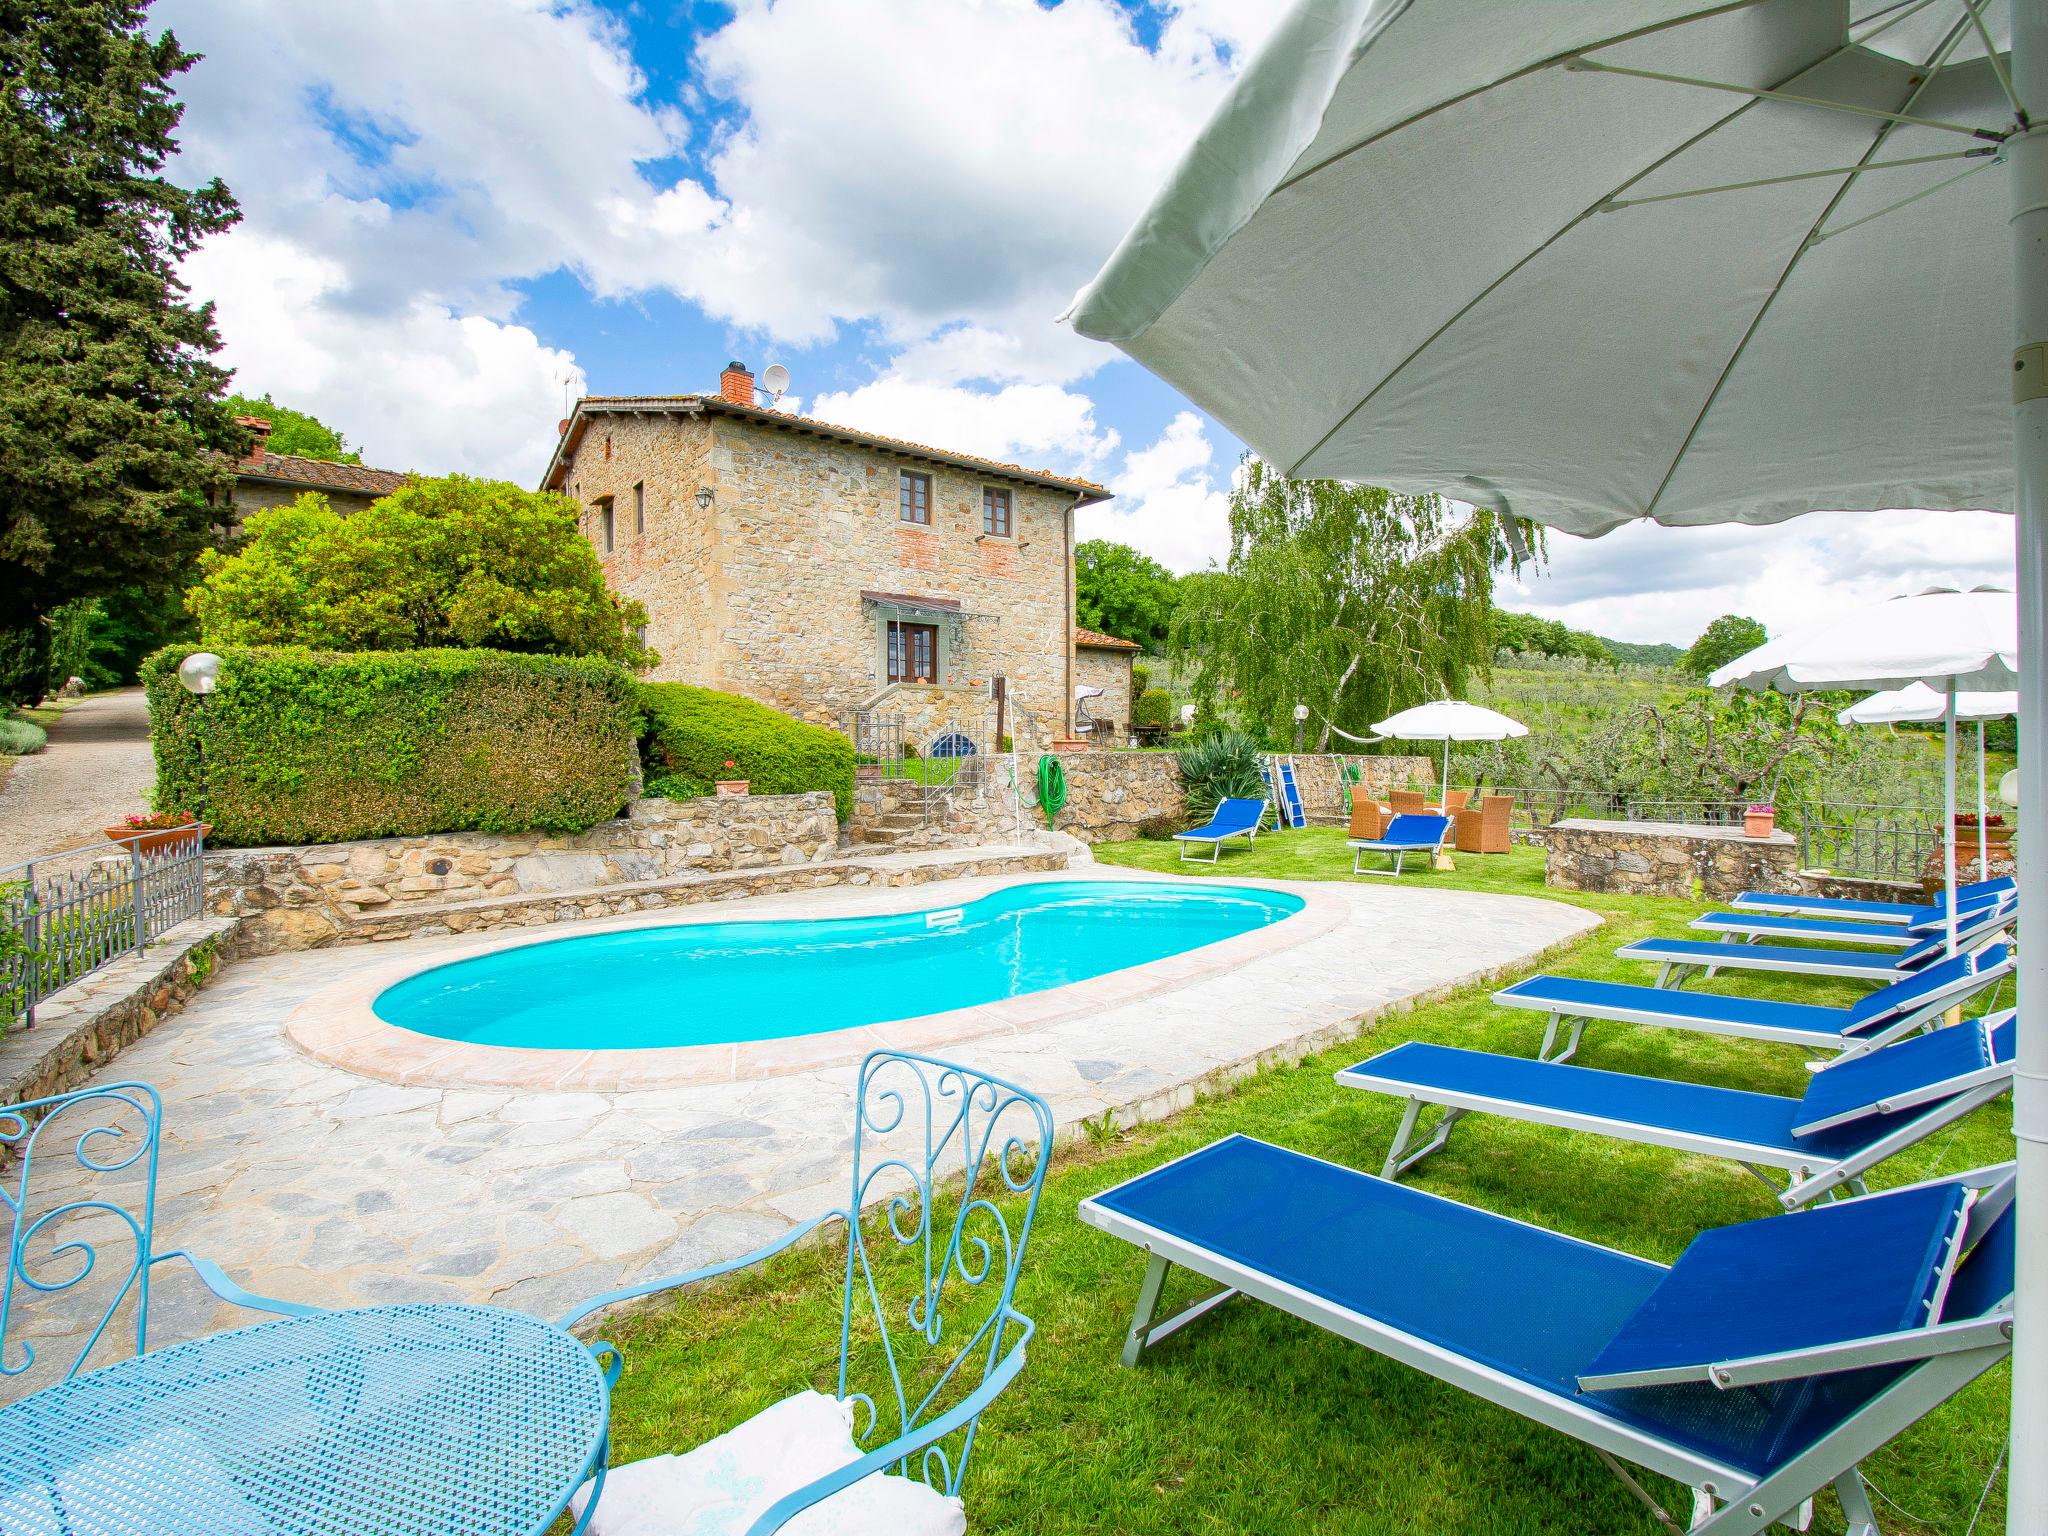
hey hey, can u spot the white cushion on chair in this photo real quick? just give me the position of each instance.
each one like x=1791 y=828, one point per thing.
x=724 y=1485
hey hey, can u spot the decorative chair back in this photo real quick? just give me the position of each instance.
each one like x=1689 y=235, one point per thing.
x=953 y=1162
x=1408 y=802
x=78 y=1182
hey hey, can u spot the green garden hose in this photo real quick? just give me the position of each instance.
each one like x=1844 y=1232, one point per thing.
x=1052 y=786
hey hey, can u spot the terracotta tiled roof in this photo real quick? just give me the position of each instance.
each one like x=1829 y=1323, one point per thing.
x=320 y=475
x=1101 y=642
x=1087 y=490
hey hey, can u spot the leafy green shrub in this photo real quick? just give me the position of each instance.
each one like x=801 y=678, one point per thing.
x=677 y=786
x=18 y=738
x=1216 y=768
x=1141 y=679
x=695 y=732
x=1154 y=708
x=24 y=665
x=312 y=747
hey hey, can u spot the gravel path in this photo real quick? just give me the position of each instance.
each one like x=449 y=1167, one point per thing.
x=96 y=769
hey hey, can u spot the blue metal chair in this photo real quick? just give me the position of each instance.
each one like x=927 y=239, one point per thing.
x=1404 y=835
x=949 y=1163
x=105 y=1131
x=1235 y=816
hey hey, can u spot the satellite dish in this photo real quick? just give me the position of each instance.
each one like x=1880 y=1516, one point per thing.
x=776 y=380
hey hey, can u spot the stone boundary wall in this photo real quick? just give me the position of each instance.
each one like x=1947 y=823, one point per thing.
x=300 y=897
x=1658 y=858
x=84 y=1026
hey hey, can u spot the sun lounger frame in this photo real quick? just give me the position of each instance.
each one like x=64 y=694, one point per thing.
x=1727 y=1501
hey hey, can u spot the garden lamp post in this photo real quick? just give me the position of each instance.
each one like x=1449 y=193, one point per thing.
x=1300 y=723
x=199 y=675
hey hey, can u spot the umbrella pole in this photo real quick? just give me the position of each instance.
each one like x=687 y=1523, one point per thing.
x=1443 y=790
x=1983 y=812
x=1948 y=811
x=2026 y=156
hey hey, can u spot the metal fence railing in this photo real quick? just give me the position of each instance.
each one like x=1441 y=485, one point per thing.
x=891 y=760
x=1883 y=842
x=65 y=916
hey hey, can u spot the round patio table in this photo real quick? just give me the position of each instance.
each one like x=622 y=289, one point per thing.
x=433 y=1420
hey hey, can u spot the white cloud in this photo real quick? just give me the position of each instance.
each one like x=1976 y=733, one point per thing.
x=417 y=387
x=1037 y=425
x=1647 y=583
x=1167 y=505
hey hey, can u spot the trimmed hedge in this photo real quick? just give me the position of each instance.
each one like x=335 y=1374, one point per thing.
x=693 y=732
x=317 y=747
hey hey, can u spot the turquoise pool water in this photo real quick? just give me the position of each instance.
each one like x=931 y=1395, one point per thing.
x=711 y=983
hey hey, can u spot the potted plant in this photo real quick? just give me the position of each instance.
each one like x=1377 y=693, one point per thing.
x=157 y=830
x=1759 y=820
x=732 y=786
x=1996 y=834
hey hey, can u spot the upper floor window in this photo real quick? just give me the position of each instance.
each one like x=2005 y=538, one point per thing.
x=604 y=518
x=914 y=497
x=639 y=506
x=995 y=512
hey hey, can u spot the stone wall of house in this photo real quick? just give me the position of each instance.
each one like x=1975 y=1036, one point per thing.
x=1661 y=858
x=257 y=495
x=664 y=545
x=1110 y=671
x=300 y=897
x=759 y=593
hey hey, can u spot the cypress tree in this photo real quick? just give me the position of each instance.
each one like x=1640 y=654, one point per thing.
x=109 y=399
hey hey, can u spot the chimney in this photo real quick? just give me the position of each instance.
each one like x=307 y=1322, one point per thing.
x=261 y=429
x=736 y=384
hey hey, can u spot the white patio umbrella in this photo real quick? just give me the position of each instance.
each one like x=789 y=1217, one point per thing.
x=1949 y=642
x=1678 y=259
x=1449 y=720
x=1918 y=704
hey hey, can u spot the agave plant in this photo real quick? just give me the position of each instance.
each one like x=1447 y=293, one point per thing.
x=1218 y=767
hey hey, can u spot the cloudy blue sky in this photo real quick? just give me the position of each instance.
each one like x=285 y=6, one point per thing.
x=458 y=211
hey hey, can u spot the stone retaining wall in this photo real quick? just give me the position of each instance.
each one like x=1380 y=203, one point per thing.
x=297 y=898
x=1662 y=858
x=82 y=1028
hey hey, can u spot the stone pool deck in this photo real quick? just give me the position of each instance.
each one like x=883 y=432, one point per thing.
x=310 y=1182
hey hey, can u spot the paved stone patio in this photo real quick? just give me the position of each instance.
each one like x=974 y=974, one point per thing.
x=306 y=1181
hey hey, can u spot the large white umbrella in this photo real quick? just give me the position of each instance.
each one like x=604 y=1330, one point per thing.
x=1449 y=720
x=1920 y=704
x=1949 y=642
x=1611 y=259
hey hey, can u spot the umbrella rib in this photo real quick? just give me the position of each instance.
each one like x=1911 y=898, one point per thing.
x=1595 y=66
x=1792 y=176
x=1293 y=470
x=1997 y=64
x=1877 y=142
x=1704 y=14
x=1946 y=181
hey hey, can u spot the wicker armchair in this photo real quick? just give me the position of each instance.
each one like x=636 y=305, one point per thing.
x=1368 y=817
x=1456 y=800
x=1408 y=802
x=1485 y=830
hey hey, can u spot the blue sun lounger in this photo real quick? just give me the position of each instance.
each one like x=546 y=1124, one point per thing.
x=1233 y=818
x=1679 y=959
x=1882 y=1017
x=1881 y=1309
x=1755 y=927
x=1853 y=1115
x=1976 y=894
x=1404 y=835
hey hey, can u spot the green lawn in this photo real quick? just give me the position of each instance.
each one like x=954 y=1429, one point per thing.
x=1252 y=1421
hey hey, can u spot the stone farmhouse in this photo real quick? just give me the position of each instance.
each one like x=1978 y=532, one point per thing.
x=266 y=479
x=823 y=570
x=1103 y=661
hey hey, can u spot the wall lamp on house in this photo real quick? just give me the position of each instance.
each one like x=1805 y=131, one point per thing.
x=705 y=496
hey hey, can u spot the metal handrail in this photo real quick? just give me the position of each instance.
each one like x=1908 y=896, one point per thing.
x=64 y=916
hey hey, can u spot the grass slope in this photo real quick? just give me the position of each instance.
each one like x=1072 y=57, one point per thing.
x=1252 y=1421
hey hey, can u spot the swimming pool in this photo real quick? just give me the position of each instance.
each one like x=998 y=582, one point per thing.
x=716 y=983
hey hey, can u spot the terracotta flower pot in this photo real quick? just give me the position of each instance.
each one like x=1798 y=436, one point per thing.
x=1759 y=823
x=867 y=773
x=732 y=786
x=155 y=839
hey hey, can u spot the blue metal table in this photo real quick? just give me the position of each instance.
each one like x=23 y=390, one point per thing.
x=403 y=1421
